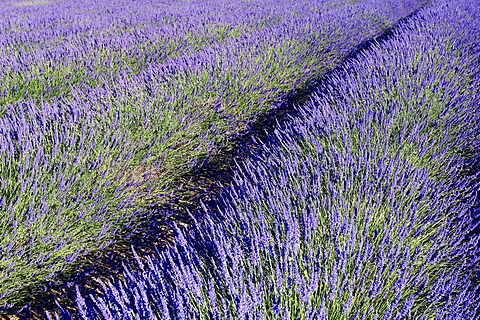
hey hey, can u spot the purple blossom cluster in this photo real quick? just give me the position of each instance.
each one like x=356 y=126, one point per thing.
x=97 y=97
x=360 y=208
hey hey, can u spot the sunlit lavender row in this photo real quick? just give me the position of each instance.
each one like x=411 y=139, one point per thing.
x=48 y=50
x=361 y=208
x=103 y=105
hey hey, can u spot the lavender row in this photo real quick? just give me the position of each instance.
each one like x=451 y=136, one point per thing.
x=103 y=106
x=358 y=209
x=84 y=41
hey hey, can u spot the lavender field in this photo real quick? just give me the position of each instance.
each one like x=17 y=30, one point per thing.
x=364 y=206
x=361 y=208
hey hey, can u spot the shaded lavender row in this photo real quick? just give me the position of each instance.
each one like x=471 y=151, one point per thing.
x=358 y=209
x=103 y=105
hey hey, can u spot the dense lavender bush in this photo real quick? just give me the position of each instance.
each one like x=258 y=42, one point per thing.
x=103 y=105
x=358 y=209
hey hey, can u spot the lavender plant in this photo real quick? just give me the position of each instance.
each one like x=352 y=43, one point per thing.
x=104 y=105
x=357 y=209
